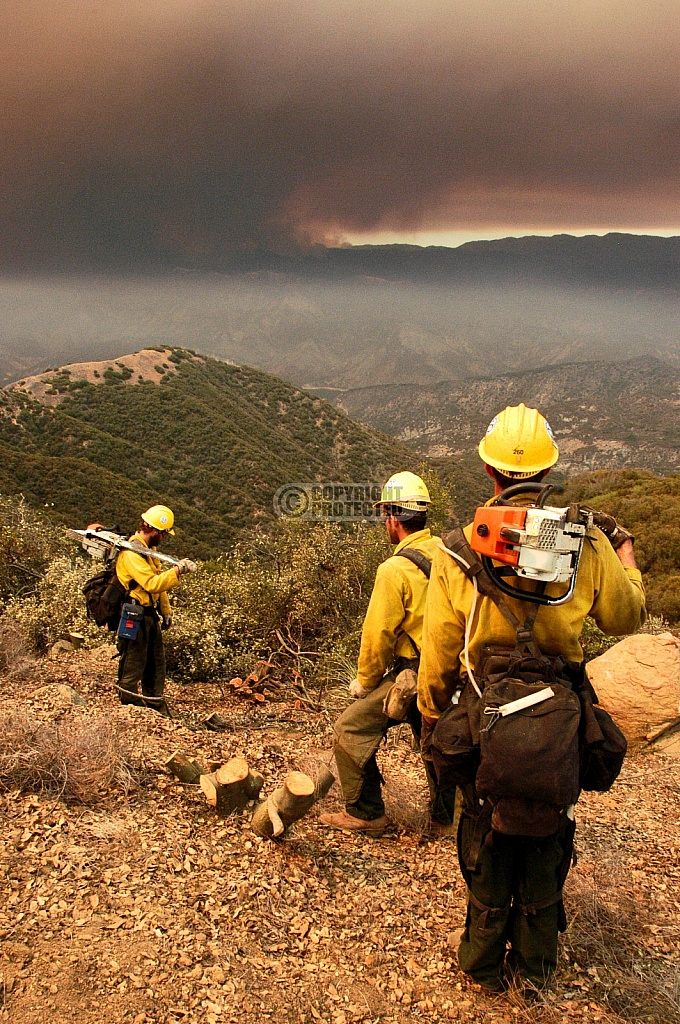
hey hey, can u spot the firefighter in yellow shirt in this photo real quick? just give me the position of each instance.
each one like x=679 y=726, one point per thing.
x=390 y=643
x=142 y=660
x=515 y=881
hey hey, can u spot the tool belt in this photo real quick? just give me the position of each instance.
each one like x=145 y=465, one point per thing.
x=147 y=609
x=528 y=737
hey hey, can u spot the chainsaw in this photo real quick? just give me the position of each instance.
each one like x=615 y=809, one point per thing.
x=105 y=544
x=532 y=542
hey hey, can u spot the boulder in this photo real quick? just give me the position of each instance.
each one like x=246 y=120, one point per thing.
x=58 y=694
x=638 y=682
x=61 y=648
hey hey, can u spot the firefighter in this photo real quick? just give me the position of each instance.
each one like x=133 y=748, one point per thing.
x=390 y=643
x=142 y=660
x=515 y=882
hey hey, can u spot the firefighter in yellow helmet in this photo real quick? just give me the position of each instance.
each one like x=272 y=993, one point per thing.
x=515 y=880
x=390 y=649
x=518 y=444
x=142 y=660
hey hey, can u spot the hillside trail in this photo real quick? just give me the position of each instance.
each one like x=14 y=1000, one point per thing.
x=144 y=907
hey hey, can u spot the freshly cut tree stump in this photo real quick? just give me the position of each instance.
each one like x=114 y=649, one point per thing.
x=290 y=802
x=231 y=786
x=187 y=771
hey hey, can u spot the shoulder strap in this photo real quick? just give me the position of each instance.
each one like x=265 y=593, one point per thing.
x=457 y=544
x=418 y=558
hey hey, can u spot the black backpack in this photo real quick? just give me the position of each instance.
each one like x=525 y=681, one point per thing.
x=531 y=763
x=104 y=597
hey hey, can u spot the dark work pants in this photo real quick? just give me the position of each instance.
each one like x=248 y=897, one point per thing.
x=514 y=898
x=142 y=660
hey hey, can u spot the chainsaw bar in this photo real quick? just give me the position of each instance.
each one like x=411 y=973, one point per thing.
x=103 y=544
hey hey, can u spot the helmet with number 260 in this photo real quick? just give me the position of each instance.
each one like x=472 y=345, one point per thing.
x=519 y=442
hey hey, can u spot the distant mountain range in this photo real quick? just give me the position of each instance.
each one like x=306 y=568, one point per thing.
x=604 y=415
x=369 y=314
x=104 y=440
x=615 y=260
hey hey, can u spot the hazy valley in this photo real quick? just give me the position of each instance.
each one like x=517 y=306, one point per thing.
x=367 y=315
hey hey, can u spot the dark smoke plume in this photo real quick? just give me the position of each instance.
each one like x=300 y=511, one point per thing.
x=142 y=136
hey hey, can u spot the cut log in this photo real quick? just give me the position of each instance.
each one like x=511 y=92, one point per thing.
x=231 y=787
x=184 y=769
x=290 y=802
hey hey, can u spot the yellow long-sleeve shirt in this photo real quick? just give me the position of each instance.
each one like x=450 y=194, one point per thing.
x=395 y=611
x=613 y=595
x=153 y=582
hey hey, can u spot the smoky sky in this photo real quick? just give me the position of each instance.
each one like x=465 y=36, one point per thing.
x=136 y=135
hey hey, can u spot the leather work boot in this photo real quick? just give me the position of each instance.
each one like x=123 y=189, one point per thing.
x=438 y=830
x=348 y=823
x=163 y=709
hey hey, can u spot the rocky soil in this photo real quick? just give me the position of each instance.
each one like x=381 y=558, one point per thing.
x=142 y=906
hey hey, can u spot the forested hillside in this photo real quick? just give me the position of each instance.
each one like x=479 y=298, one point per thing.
x=649 y=506
x=213 y=440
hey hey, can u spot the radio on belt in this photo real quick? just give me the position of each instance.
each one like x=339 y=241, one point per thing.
x=131 y=616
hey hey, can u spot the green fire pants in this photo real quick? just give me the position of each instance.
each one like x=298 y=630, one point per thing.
x=358 y=733
x=514 y=898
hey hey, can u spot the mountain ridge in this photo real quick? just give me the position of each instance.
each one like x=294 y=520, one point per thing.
x=339 y=317
x=211 y=439
x=604 y=415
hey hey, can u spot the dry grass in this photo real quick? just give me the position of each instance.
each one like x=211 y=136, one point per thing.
x=77 y=758
x=604 y=939
x=15 y=661
x=405 y=791
x=606 y=933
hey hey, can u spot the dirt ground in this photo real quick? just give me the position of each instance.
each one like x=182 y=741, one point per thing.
x=143 y=906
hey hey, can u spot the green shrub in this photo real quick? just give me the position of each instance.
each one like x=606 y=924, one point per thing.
x=297 y=592
x=594 y=642
x=56 y=607
x=28 y=542
x=649 y=506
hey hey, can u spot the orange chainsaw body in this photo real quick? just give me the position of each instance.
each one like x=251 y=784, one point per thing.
x=492 y=531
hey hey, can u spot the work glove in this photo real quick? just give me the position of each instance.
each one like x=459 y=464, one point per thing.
x=357 y=690
x=166 y=622
x=185 y=565
x=615 y=533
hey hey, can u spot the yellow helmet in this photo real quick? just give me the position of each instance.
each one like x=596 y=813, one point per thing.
x=405 y=490
x=519 y=442
x=160 y=517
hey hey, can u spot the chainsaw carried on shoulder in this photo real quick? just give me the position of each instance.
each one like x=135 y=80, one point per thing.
x=531 y=541
x=525 y=731
x=105 y=596
x=104 y=545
